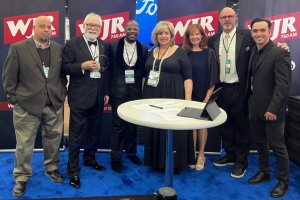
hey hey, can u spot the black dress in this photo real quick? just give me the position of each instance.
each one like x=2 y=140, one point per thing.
x=205 y=72
x=174 y=71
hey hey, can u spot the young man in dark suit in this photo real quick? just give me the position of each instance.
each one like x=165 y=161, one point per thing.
x=127 y=59
x=88 y=93
x=35 y=86
x=269 y=82
x=233 y=46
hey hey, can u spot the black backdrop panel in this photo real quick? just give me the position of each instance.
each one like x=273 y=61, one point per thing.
x=16 y=25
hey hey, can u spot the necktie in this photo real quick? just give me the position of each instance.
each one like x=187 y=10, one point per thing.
x=223 y=58
x=94 y=43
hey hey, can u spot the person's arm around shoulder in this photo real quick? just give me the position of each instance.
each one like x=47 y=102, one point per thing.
x=10 y=74
x=283 y=78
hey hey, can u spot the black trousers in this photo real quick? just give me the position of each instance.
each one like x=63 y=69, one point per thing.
x=266 y=134
x=78 y=117
x=124 y=134
x=235 y=133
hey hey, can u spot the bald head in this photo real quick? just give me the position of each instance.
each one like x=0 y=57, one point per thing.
x=42 y=29
x=132 y=22
x=227 y=19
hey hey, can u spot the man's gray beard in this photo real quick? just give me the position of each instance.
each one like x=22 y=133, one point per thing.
x=45 y=38
x=227 y=27
x=91 y=36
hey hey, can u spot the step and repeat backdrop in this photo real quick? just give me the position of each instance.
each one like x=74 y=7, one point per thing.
x=16 y=23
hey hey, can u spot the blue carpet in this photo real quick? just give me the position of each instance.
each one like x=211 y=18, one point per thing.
x=211 y=183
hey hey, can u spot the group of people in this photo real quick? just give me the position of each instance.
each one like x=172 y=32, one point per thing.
x=245 y=63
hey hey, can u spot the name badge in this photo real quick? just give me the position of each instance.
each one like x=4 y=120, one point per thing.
x=129 y=76
x=252 y=83
x=46 y=71
x=153 y=78
x=227 y=66
x=95 y=73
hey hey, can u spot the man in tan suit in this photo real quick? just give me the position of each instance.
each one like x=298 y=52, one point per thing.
x=35 y=86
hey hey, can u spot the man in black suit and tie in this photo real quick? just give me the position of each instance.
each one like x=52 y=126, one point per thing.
x=85 y=59
x=233 y=46
x=269 y=82
x=127 y=58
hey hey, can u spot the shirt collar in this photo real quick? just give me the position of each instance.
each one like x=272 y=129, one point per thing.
x=39 y=46
x=231 y=33
x=262 y=49
x=129 y=44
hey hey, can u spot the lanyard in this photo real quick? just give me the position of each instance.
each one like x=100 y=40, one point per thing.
x=93 y=56
x=129 y=61
x=44 y=59
x=164 y=55
x=226 y=50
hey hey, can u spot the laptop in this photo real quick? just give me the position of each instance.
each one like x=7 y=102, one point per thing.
x=199 y=113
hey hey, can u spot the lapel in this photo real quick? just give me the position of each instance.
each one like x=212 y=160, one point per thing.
x=32 y=48
x=216 y=45
x=140 y=56
x=119 y=54
x=239 y=42
x=264 y=54
x=251 y=59
x=82 y=44
x=52 y=61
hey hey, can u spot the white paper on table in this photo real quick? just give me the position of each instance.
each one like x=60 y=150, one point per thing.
x=167 y=104
x=169 y=114
x=142 y=106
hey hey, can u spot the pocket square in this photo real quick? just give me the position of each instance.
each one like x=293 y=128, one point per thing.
x=248 y=48
x=59 y=59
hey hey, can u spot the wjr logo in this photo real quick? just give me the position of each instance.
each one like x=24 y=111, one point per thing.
x=284 y=27
x=150 y=8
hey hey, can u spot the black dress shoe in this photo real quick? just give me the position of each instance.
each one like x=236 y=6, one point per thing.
x=224 y=161
x=19 y=189
x=280 y=190
x=238 y=171
x=75 y=182
x=259 y=177
x=177 y=171
x=55 y=176
x=116 y=166
x=95 y=165
x=135 y=160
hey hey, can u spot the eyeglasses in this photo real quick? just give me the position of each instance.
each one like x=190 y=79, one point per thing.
x=93 y=25
x=132 y=29
x=229 y=17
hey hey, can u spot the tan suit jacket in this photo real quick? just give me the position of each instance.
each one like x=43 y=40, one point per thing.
x=24 y=80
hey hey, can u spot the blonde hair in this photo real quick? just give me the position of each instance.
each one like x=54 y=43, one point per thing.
x=161 y=26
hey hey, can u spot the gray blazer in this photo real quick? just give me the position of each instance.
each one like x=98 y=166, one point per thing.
x=24 y=80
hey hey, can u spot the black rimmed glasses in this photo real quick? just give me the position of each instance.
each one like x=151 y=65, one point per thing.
x=229 y=17
x=93 y=25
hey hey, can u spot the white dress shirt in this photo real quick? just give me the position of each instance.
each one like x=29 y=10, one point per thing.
x=132 y=53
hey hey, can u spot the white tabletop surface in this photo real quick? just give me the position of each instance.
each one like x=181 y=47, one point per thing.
x=146 y=118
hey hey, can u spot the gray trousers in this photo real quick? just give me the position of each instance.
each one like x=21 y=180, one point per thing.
x=26 y=126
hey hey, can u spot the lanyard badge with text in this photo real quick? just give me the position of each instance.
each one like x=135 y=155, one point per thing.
x=96 y=73
x=228 y=61
x=153 y=78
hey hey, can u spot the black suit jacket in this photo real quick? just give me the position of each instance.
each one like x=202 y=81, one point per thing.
x=271 y=81
x=118 y=66
x=83 y=90
x=244 y=43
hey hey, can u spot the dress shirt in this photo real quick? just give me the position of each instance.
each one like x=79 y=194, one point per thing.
x=131 y=52
x=232 y=77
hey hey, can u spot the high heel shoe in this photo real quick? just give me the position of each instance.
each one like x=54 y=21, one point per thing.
x=198 y=166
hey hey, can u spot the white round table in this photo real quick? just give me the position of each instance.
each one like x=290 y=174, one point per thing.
x=144 y=117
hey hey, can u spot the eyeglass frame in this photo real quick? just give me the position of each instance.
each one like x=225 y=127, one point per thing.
x=96 y=26
x=228 y=16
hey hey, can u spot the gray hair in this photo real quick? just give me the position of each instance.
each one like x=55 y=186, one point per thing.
x=161 y=26
x=92 y=14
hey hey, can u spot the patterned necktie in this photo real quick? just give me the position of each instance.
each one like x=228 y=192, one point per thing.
x=223 y=58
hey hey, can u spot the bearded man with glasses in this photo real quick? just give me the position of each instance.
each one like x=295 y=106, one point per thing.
x=88 y=93
x=127 y=58
x=232 y=47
